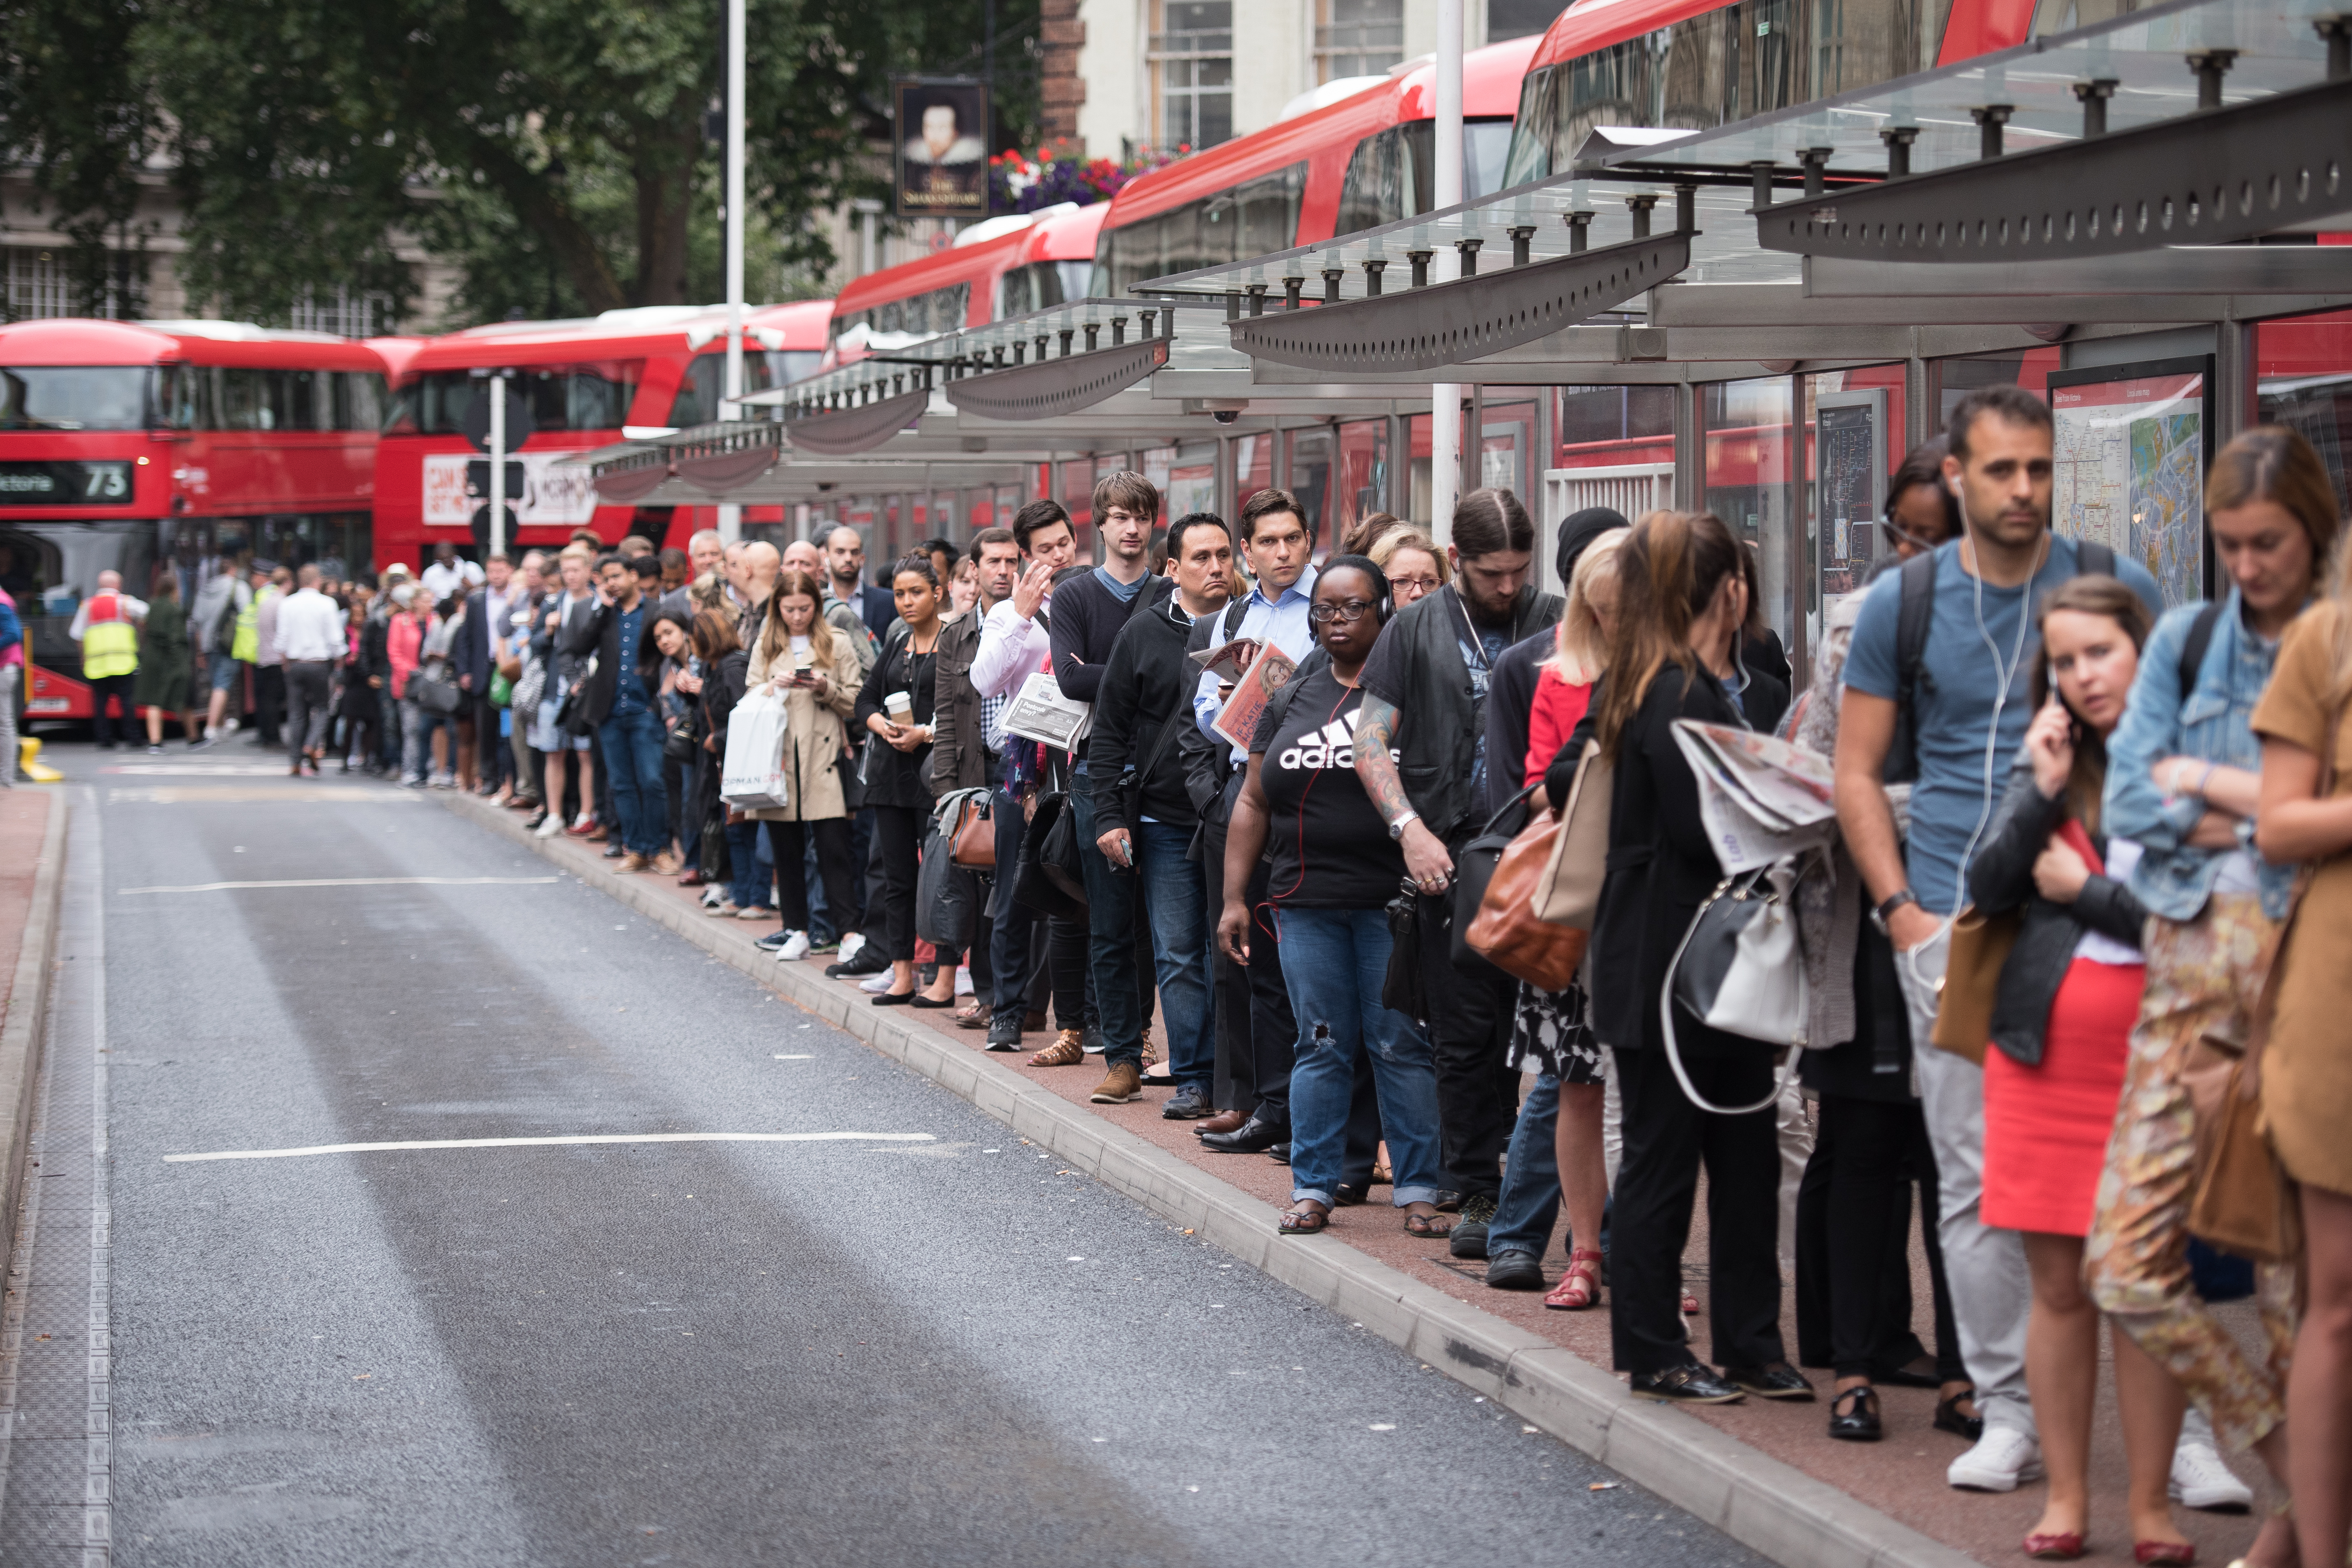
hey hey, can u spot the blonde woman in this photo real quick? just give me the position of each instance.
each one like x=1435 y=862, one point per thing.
x=1414 y=563
x=800 y=657
x=1550 y=1031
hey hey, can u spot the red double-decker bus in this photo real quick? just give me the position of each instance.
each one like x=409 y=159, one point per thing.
x=167 y=446
x=588 y=383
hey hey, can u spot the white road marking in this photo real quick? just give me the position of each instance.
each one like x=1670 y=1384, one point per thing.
x=781 y=1058
x=352 y=882
x=568 y=1139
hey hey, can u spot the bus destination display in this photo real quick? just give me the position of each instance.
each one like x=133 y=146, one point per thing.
x=65 y=484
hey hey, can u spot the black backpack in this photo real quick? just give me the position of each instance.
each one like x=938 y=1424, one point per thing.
x=1913 y=622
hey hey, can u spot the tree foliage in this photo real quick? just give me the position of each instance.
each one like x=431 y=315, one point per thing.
x=555 y=150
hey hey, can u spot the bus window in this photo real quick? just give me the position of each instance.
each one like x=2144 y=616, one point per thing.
x=1255 y=217
x=568 y=397
x=245 y=399
x=1746 y=58
x=1391 y=175
x=73 y=397
x=697 y=401
x=360 y=400
x=1041 y=284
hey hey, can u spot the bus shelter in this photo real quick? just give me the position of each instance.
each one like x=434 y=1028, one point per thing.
x=2131 y=219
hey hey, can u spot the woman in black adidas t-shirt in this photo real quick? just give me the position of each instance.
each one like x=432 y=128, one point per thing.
x=1332 y=871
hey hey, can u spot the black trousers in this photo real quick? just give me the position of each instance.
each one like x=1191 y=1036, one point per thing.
x=898 y=843
x=1853 y=1242
x=306 y=695
x=1470 y=1035
x=269 y=699
x=786 y=842
x=117 y=687
x=1666 y=1140
x=1257 y=1034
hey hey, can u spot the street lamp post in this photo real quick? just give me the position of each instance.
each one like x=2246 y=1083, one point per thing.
x=1445 y=396
x=730 y=518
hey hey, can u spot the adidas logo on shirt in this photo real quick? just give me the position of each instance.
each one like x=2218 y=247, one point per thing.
x=1333 y=746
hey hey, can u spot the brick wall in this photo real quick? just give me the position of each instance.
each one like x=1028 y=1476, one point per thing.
x=1063 y=89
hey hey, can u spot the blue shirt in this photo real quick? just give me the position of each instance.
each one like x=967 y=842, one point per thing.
x=1124 y=593
x=1282 y=620
x=1965 y=751
x=628 y=691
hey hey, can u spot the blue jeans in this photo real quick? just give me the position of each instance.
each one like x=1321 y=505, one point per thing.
x=1333 y=961
x=633 y=756
x=1529 y=1201
x=1173 y=897
x=750 y=889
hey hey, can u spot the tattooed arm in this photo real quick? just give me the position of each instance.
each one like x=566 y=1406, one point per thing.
x=1424 y=853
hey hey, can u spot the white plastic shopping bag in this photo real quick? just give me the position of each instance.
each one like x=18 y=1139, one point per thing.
x=751 y=776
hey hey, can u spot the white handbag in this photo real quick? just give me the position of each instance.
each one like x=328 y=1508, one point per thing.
x=752 y=776
x=1740 y=970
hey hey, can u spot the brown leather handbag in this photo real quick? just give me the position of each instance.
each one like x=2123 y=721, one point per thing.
x=974 y=836
x=1507 y=932
x=1980 y=945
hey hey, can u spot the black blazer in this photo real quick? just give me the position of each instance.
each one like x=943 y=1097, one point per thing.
x=2001 y=878
x=1662 y=865
x=599 y=632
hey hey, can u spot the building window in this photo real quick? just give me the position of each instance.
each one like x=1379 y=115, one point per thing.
x=1192 y=60
x=1358 y=37
x=346 y=312
x=1519 y=18
x=41 y=283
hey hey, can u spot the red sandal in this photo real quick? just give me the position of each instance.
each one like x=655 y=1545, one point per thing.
x=1580 y=1288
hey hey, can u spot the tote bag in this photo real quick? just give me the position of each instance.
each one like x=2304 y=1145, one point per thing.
x=752 y=777
x=1569 y=891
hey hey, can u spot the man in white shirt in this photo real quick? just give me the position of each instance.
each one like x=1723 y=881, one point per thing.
x=310 y=639
x=1013 y=646
x=442 y=577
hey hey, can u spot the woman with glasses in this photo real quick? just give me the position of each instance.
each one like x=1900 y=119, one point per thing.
x=1413 y=563
x=1332 y=871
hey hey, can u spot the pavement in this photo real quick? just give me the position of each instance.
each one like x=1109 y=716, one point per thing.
x=891 y=1330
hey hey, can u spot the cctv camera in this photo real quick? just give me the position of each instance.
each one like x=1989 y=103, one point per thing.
x=1226 y=415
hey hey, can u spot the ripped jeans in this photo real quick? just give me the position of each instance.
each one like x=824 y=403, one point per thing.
x=1333 y=961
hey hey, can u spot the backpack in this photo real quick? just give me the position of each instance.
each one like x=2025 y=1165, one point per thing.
x=1915 y=618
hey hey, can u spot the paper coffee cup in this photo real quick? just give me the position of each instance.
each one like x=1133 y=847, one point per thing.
x=899 y=705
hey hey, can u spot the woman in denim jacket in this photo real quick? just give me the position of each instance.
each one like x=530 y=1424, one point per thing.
x=2184 y=781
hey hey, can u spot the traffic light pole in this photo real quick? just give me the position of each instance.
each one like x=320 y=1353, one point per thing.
x=499 y=464
x=730 y=518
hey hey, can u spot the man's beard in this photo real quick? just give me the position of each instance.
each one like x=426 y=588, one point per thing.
x=1483 y=615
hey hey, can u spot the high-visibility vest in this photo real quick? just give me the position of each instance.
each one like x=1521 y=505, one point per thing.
x=245 y=647
x=109 y=643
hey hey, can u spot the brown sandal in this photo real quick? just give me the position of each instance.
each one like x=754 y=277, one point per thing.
x=1068 y=1049
x=1306 y=1219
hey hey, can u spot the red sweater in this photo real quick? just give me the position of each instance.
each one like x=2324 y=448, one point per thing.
x=1559 y=708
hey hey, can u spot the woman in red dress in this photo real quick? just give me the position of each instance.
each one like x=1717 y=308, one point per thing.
x=2063 y=1015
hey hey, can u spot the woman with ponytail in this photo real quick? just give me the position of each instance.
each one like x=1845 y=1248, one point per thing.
x=1682 y=599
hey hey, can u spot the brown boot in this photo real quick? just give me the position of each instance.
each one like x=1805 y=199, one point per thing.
x=1122 y=1084
x=632 y=861
x=1068 y=1049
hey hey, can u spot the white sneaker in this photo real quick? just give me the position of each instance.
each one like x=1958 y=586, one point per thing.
x=875 y=985
x=2003 y=1457
x=850 y=942
x=2200 y=1479
x=713 y=897
x=755 y=912
x=796 y=947
x=550 y=827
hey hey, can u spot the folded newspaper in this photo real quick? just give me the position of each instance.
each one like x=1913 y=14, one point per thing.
x=1762 y=799
x=1041 y=712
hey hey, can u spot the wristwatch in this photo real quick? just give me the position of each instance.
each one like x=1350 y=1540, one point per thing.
x=1882 y=912
x=1396 y=829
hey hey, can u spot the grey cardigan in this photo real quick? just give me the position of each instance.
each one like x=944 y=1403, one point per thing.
x=2001 y=878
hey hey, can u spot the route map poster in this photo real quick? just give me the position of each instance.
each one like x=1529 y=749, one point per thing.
x=2130 y=471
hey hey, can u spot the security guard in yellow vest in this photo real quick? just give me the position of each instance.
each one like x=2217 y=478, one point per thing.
x=107 y=626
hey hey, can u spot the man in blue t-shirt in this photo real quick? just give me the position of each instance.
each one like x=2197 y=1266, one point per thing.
x=1969 y=706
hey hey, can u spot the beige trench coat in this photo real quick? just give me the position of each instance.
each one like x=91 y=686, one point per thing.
x=814 y=739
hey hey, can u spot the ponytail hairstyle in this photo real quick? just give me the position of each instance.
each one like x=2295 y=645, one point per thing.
x=1669 y=570
x=2101 y=595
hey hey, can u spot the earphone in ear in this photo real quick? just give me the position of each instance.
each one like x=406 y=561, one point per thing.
x=1953 y=485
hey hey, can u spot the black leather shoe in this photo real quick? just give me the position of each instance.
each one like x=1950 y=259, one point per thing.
x=1691 y=1385
x=1447 y=1201
x=1779 y=1381
x=1513 y=1270
x=1949 y=1419
x=1251 y=1137
x=867 y=961
x=1347 y=1195
x=1854 y=1415
x=1906 y=1377
x=1004 y=1033
x=1279 y=1154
